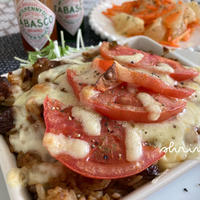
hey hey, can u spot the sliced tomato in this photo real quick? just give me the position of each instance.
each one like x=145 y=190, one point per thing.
x=107 y=156
x=180 y=73
x=119 y=104
x=111 y=107
x=102 y=65
x=109 y=51
x=120 y=73
x=76 y=86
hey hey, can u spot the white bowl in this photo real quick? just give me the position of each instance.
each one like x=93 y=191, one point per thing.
x=7 y=159
x=104 y=27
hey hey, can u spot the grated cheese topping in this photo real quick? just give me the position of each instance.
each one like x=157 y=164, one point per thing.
x=60 y=144
x=152 y=106
x=130 y=58
x=133 y=143
x=90 y=120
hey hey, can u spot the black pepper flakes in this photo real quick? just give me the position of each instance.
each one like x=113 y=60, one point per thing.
x=153 y=170
x=174 y=126
x=105 y=157
x=185 y=189
x=106 y=124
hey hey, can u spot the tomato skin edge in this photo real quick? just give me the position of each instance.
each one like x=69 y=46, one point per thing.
x=144 y=80
x=110 y=172
x=141 y=116
x=180 y=73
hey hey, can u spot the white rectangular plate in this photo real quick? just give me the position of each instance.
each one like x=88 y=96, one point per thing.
x=7 y=160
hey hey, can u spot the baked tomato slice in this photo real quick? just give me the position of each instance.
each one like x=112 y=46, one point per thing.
x=148 y=61
x=126 y=107
x=118 y=73
x=120 y=103
x=102 y=65
x=180 y=73
x=109 y=50
x=106 y=155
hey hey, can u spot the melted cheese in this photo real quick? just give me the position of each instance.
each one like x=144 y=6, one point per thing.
x=89 y=92
x=164 y=77
x=197 y=79
x=81 y=68
x=40 y=91
x=133 y=144
x=163 y=67
x=16 y=91
x=195 y=97
x=167 y=79
x=63 y=84
x=15 y=177
x=130 y=59
x=73 y=60
x=174 y=130
x=43 y=172
x=90 y=120
x=29 y=136
x=39 y=173
x=89 y=77
x=58 y=75
x=60 y=144
x=52 y=74
x=151 y=105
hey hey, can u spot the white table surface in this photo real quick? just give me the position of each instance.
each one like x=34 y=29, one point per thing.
x=172 y=191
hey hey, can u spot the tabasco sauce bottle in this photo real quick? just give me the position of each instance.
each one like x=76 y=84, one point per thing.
x=36 y=20
x=69 y=15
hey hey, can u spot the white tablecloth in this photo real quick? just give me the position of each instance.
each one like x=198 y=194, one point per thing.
x=8 y=20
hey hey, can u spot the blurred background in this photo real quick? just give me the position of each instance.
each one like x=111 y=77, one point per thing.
x=8 y=20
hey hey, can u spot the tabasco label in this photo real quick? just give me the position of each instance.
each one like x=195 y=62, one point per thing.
x=36 y=21
x=69 y=14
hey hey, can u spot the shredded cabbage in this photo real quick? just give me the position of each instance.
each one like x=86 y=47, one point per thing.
x=53 y=50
